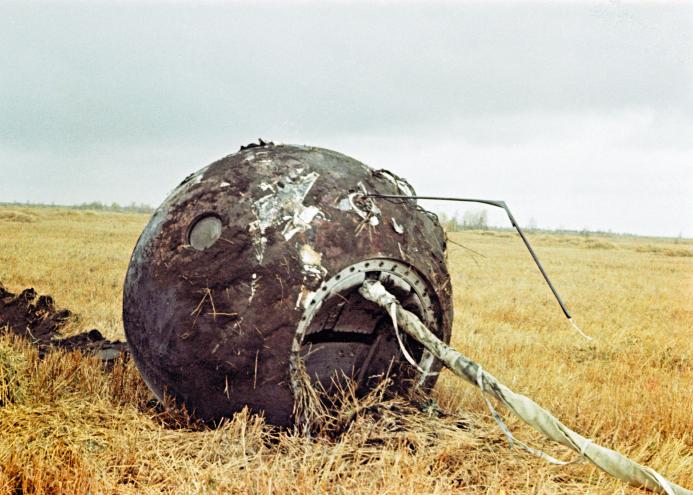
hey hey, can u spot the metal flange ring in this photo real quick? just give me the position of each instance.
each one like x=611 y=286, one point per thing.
x=392 y=273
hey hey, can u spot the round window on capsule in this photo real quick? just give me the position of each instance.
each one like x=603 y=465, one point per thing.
x=205 y=232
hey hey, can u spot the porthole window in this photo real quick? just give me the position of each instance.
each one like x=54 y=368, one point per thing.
x=205 y=232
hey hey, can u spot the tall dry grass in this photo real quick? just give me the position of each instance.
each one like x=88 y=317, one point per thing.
x=67 y=426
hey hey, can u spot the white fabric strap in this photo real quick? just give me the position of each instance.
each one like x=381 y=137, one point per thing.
x=526 y=409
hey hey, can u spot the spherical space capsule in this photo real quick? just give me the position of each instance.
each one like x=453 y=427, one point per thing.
x=251 y=267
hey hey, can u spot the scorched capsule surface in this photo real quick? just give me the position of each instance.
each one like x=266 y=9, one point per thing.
x=253 y=264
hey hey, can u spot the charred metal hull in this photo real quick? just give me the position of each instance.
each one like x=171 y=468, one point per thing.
x=252 y=265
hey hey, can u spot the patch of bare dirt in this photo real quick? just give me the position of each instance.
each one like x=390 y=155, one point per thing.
x=36 y=318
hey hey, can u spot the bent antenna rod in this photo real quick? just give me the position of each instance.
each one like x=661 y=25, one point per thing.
x=498 y=204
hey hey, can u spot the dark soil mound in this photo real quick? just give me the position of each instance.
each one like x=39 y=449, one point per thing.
x=36 y=318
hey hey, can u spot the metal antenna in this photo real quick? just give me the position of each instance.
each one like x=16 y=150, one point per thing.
x=498 y=204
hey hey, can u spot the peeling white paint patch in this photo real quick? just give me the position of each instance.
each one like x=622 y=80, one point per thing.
x=260 y=244
x=304 y=298
x=307 y=214
x=259 y=240
x=294 y=174
x=344 y=204
x=253 y=288
x=300 y=222
x=313 y=271
x=285 y=204
x=312 y=263
x=398 y=228
x=310 y=256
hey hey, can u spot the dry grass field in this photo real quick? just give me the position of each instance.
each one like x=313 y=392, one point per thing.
x=67 y=426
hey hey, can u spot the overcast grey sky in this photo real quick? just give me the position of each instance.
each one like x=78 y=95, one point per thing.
x=577 y=114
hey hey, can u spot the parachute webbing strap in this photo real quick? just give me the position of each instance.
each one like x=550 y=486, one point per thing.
x=526 y=409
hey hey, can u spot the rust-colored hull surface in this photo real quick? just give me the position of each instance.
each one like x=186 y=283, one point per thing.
x=235 y=257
